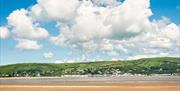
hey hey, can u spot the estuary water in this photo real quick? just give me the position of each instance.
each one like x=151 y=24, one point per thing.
x=120 y=79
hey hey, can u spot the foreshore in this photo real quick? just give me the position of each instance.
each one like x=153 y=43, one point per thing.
x=123 y=83
x=15 y=80
x=94 y=87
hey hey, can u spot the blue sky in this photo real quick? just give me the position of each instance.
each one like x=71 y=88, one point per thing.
x=9 y=54
x=166 y=8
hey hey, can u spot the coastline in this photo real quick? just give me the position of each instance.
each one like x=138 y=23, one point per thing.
x=122 y=83
x=82 y=76
x=119 y=79
x=94 y=87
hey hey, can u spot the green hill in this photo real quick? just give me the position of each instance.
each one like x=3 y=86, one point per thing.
x=146 y=66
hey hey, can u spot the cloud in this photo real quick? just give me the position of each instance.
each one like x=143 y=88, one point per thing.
x=163 y=39
x=23 y=26
x=147 y=56
x=4 y=32
x=25 y=44
x=82 y=58
x=105 y=2
x=62 y=10
x=26 y=30
x=48 y=55
x=94 y=25
x=119 y=30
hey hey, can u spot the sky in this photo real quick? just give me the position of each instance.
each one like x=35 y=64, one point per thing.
x=58 y=31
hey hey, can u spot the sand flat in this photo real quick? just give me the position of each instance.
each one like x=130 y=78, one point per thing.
x=92 y=84
x=101 y=87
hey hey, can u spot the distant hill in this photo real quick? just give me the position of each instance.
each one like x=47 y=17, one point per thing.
x=146 y=66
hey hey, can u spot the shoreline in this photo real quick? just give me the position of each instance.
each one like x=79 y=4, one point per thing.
x=88 y=76
x=91 y=80
x=123 y=83
x=94 y=87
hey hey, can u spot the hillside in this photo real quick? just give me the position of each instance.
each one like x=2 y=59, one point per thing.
x=146 y=66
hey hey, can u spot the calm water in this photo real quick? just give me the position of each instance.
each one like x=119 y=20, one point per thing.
x=121 y=79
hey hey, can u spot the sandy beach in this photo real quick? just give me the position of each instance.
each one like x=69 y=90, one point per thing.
x=72 y=84
x=102 y=87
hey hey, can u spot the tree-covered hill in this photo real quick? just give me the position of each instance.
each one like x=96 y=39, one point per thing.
x=146 y=66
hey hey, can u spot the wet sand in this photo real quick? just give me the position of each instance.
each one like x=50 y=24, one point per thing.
x=102 y=87
x=89 y=85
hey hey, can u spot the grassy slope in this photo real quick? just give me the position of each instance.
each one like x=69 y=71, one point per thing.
x=150 y=64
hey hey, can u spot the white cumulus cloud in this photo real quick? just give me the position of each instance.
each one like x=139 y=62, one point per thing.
x=25 y=30
x=48 y=55
x=94 y=25
x=55 y=9
x=121 y=30
x=25 y=44
x=4 y=32
x=105 y=2
x=23 y=26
